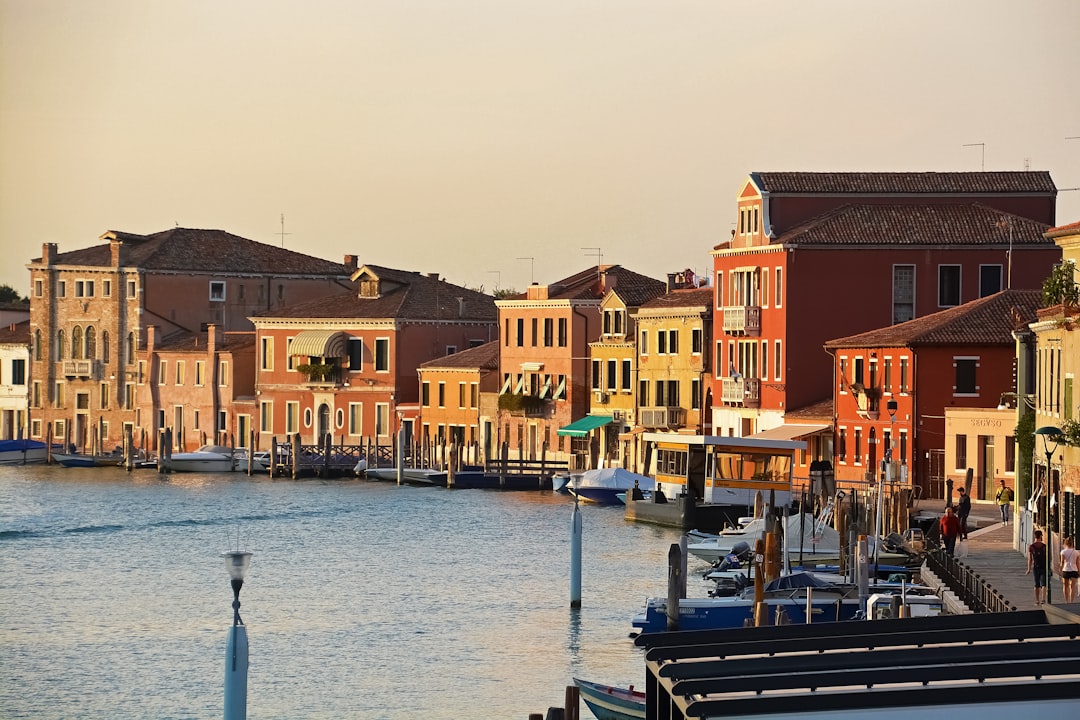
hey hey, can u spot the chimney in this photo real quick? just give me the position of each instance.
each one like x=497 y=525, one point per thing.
x=151 y=339
x=48 y=254
x=671 y=281
x=351 y=263
x=461 y=307
x=211 y=340
x=537 y=292
x=119 y=252
x=433 y=275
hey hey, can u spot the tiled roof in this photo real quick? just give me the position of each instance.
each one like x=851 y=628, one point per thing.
x=821 y=410
x=691 y=297
x=481 y=357
x=15 y=334
x=986 y=321
x=917 y=224
x=210 y=251
x=196 y=342
x=634 y=288
x=916 y=183
x=1063 y=230
x=405 y=296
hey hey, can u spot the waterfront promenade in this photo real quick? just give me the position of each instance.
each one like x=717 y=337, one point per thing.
x=992 y=556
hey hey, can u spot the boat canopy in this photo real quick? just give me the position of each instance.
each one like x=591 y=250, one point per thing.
x=320 y=343
x=581 y=428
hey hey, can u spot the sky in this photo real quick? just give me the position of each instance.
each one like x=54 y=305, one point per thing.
x=502 y=142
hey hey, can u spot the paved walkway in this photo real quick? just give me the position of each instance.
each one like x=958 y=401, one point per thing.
x=991 y=554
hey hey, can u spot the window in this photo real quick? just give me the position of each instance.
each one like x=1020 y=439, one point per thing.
x=382 y=419
x=37 y=345
x=461 y=394
x=425 y=394
x=989 y=279
x=903 y=375
x=661 y=394
x=58 y=394
x=474 y=394
x=35 y=428
x=777 y=364
x=643 y=393
x=356 y=418
x=612 y=375
x=857 y=374
x=132 y=346
x=764 y=359
x=223 y=373
x=965 y=376
x=719 y=290
x=131 y=288
x=217 y=291
x=627 y=371
x=129 y=397
x=903 y=447
x=643 y=346
x=597 y=380
x=696 y=341
x=903 y=293
x=765 y=287
x=948 y=285
x=18 y=371
x=104 y=396
x=200 y=372
x=222 y=421
x=888 y=376
x=521 y=332
x=106 y=351
x=534 y=323
x=562 y=332
x=673 y=341
x=442 y=394
x=38 y=288
x=180 y=365
x=1010 y=454
x=382 y=354
x=267 y=353
x=61 y=289
x=356 y=354
x=858 y=446
x=266 y=416
x=35 y=394
x=163 y=372
x=661 y=342
x=61 y=345
x=842 y=450
x=779 y=286
x=84 y=288
x=90 y=343
x=506 y=332
x=549 y=332
x=196 y=421
x=695 y=394
x=106 y=288
x=961 y=452
x=560 y=389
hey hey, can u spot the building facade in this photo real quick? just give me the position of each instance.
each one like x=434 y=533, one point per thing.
x=451 y=412
x=14 y=380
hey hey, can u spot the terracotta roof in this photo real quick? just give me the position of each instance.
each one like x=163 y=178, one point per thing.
x=481 y=357
x=15 y=333
x=959 y=224
x=987 y=321
x=821 y=410
x=915 y=183
x=211 y=251
x=405 y=295
x=1062 y=230
x=634 y=288
x=196 y=342
x=688 y=298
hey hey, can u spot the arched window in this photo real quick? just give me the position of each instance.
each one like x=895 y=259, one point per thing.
x=37 y=344
x=91 y=342
x=76 y=343
x=61 y=345
x=105 y=346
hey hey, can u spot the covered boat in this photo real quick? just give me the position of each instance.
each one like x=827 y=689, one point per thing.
x=21 y=452
x=603 y=485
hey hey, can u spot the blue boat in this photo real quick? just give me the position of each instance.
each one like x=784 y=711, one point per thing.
x=612 y=703
x=717 y=613
x=21 y=452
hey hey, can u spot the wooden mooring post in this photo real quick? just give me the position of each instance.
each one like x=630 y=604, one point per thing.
x=295 y=456
x=273 y=456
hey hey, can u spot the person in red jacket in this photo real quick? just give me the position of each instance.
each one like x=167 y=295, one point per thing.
x=950 y=529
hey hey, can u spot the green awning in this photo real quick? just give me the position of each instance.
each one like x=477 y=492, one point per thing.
x=581 y=428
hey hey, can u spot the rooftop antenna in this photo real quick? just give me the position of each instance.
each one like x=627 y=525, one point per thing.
x=498 y=278
x=982 y=166
x=599 y=259
x=532 y=268
x=283 y=233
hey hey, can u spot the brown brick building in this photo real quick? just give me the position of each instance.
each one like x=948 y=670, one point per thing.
x=90 y=309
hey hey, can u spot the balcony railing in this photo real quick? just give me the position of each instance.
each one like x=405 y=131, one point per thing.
x=78 y=368
x=741 y=391
x=321 y=374
x=662 y=417
x=743 y=320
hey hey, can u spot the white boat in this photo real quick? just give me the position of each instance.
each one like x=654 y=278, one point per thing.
x=21 y=452
x=818 y=540
x=608 y=702
x=212 y=458
x=604 y=484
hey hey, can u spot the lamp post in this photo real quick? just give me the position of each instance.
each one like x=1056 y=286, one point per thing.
x=236 y=651
x=1050 y=434
x=887 y=462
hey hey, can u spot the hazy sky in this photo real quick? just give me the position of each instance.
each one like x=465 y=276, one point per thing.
x=459 y=136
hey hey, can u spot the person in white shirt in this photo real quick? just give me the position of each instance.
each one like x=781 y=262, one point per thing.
x=1070 y=569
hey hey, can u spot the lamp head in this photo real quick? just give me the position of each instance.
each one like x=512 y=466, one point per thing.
x=1050 y=434
x=891 y=407
x=237 y=563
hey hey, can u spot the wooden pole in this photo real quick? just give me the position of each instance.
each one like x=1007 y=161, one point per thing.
x=251 y=452
x=129 y=448
x=295 y=456
x=674 y=588
x=327 y=445
x=571 y=703
x=502 y=465
x=273 y=455
x=451 y=467
x=48 y=443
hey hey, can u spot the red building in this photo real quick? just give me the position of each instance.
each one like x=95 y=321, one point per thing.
x=957 y=358
x=544 y=358
x=452 y=408
x=347 y=364
x=823 y=255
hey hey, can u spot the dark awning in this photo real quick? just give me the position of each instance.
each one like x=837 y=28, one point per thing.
x=320 y=343
x=581 y=428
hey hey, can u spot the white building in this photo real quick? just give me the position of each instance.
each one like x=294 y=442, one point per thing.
x=14 y=380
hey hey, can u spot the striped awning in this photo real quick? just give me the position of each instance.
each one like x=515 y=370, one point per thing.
x=581 y=428
x=320 y=343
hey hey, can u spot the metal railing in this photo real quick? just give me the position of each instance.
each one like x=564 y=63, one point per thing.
x=968 y=585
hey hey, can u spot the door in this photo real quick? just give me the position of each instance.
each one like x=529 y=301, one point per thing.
x=324 y=423
x=986 y=477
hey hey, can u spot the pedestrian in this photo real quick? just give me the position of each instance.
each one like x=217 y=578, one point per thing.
x=1070 y=569
x=950 y=530
x=1004 y=501
x=963 y=509
x=1037 y=566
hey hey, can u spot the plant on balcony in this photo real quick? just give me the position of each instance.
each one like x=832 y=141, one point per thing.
x=318 y=372
x=1070 y=430
x=520 y=402
x=1061 y=287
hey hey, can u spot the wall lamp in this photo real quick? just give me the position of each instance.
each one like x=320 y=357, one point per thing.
x=1005 y=404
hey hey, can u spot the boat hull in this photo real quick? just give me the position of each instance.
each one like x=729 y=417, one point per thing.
x=76 y=460
x=736 y=612
x=612 y=703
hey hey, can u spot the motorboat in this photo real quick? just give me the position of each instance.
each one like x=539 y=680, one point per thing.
x=81 y=460
x=604 y=484
x=817 y=539
x=212 y=458
x=608 y=702
x=22 y=452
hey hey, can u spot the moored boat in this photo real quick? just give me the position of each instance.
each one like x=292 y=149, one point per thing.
x=21 y=452
x=604 y=484
x=211 y=458
x=608 y=702
x=80 y=460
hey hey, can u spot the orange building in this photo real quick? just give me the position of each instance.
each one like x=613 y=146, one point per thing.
x=346 y=365
x=544 y=361
x=90 y=309
x=451 y=411
x=892 y=387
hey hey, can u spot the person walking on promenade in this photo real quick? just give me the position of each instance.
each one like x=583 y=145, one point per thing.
x=1037 y=566
x=950 y=530
x=963 y=509
x=1004 y=501
x=1070 y=569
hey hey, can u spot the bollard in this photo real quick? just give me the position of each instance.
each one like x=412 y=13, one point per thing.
x=571 y=702
x=674 y=586
x=575 y=556
x=295 y=455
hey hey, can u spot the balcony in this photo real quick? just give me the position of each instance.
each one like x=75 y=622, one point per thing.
x=321 y=374
x=743 y=320
x=869 y=401
x=523 y=404
x=741 y=391
x=86 y=369
x=662 y=417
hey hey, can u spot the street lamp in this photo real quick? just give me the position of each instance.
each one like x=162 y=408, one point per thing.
x=236 y=651
x=891 y=406
x=1050 y=434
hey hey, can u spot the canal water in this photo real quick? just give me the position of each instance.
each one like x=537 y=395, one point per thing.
x=364 y=599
